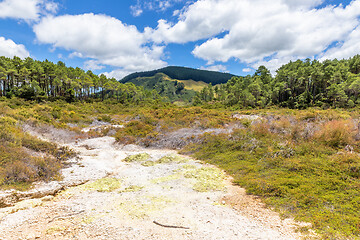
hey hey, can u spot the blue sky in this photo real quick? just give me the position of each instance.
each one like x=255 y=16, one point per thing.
x=120 y=37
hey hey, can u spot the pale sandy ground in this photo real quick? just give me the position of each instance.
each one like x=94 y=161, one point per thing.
x=141 y=195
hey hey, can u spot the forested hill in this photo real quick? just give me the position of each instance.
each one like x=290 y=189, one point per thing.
x=183 y=73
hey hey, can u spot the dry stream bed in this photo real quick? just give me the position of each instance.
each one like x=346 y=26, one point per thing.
x=129 y=192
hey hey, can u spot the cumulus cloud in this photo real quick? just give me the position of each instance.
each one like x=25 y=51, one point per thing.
x=153 y=5
x=105 y=39
x=346 y=49
x=26 y=9
x=218 y=68
x=247 y=70
x=9 y=48
x=136 y=10
x=262 y=32
x=117 y=74
x=93 y=65
x=303 y=4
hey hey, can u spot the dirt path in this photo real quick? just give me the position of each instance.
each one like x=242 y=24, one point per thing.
x=152 y=194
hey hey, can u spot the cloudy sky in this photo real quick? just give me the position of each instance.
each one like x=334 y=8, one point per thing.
x=118 y=37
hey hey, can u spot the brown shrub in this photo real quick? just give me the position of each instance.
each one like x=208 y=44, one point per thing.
x=336 y=133
x=261 y=129
x=18 y=172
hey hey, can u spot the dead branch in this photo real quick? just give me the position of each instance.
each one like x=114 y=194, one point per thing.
x=169 y=226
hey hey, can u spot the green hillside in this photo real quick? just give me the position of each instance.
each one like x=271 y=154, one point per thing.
x=166 y=87
x=183 y=73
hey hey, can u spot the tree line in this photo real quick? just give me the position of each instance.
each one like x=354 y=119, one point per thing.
x=39 y=80
x=299 y=84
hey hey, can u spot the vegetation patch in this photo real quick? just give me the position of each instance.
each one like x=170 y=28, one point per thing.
x=206 y=178
x=132 y=188
x=173 y=158
x=137 y=157
x=143 y=207
x=168 y=178
x=103 y=185
x=312 y=177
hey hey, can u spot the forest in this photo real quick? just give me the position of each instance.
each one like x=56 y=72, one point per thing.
x=35 y=80
x=299 y=84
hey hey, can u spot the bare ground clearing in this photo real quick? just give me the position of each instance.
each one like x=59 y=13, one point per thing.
x=155 y=195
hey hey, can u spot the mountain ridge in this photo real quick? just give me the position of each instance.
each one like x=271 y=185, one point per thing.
x=184 y=73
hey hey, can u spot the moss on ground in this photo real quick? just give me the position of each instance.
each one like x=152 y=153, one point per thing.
x=102 y=185
x=168 y=178
x=143 y=207
x=137 y=157
x=206 y=178
x=132 y=188
x=172 y=158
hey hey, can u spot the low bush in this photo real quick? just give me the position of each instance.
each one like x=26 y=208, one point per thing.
x=309 y=179
x=336 y=133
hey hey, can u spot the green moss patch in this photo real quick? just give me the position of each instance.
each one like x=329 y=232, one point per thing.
x=137 y=157
x=143 y=207
x=166 y=178
x=132 y=188
x=103 y=185
x=173 y=158
x=207 y=178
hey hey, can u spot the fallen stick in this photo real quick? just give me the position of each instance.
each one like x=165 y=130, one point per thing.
x=169 y=226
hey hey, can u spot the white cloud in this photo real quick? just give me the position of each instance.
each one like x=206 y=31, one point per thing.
x=102 y=38
x=9 y=48
x=303 y=4
x=136 y=10
x=76 y=54
x=152 y=5
x=93 y=65
x=218 y=68
x=247 y=70
x=117 y=74
x=26 y=9
x=347 y=49
x=253 y=31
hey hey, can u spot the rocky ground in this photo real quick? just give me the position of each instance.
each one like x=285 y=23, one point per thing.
x=129 y=192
